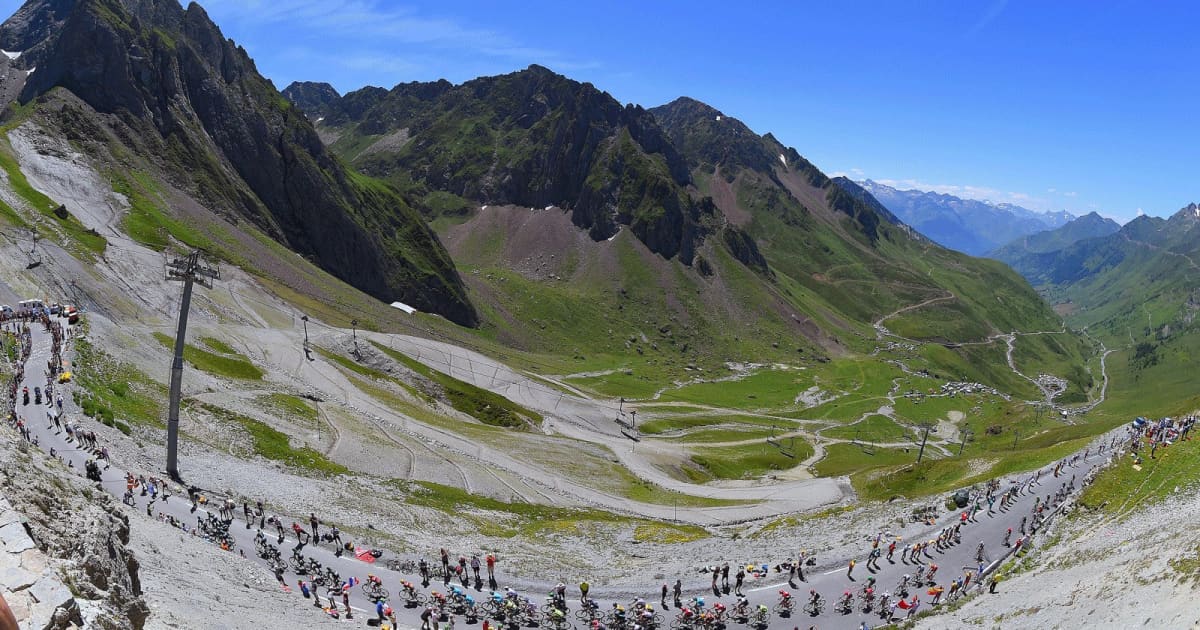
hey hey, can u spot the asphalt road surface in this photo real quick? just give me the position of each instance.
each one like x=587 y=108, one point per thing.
x=829 y=580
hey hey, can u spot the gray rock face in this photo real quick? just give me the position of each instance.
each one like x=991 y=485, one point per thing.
x=74 y=537
x=181 y=95
x=15 y=538
x=17 y=579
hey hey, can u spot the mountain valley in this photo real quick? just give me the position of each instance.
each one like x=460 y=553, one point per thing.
x=516 y=316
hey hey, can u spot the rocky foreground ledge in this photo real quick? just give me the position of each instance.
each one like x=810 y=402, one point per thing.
x=63 y=556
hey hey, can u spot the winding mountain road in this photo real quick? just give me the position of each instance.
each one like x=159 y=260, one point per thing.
x=986 y=527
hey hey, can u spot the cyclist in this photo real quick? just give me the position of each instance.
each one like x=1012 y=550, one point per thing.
x=647 y=617
x=785 y=600
x=739 y=608
x=814 y=598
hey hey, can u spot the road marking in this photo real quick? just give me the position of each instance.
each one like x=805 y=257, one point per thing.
x=764 y=588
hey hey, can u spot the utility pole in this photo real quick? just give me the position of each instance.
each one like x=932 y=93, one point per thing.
x=921 y=453
x=188 y=271
x=965 y=434
x=307 y=349
x=354 y=333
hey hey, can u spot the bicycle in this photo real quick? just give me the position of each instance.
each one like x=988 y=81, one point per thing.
x=327 y=577
x=589 y=613
x=556 y=621
x=374 y=591
x=615 y=622
x=845 y=605
x=814 y=608
x=401 y=566
x=785 y=605
x=305 y=566
x=683 y=621
x=760 y=617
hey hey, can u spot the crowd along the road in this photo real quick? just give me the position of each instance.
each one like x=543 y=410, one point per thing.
x=897 y=579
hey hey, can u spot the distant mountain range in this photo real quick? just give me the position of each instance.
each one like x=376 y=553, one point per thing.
x=1151 y=265
x=969 y=226
x=1023 y=253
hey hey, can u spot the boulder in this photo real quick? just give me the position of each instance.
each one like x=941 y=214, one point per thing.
x=15 y=538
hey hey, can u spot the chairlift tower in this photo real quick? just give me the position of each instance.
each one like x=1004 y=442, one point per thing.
x=188 y=270
x=928 y=426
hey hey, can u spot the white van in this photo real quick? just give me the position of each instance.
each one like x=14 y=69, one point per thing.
x=30 y=307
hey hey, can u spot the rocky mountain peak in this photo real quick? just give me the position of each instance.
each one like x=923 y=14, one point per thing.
x=1190 y=212
x=708 y=137
x=533 y=138
x=313 y=98
x=33 y=24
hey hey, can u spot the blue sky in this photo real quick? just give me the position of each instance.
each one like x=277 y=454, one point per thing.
x=1054 y=105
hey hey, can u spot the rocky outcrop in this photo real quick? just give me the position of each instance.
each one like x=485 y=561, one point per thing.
x=745 y=250
x=314 y=99
x=181 y=95
x=63 y=560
